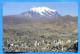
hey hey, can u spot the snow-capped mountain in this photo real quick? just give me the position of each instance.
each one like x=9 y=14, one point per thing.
x=41 y=11
x=39 y=14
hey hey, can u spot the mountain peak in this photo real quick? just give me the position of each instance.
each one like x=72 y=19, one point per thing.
x=42 y=10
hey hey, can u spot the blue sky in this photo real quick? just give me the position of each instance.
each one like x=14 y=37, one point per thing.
x=64 y=8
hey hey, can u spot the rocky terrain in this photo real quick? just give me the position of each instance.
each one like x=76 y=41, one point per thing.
x=39 y=31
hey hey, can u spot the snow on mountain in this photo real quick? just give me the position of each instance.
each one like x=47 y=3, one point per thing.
x=42 y=10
